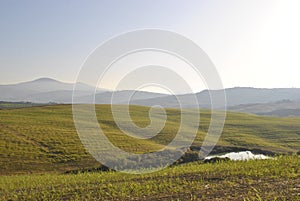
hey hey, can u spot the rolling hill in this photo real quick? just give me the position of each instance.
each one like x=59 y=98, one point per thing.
x=44 y=139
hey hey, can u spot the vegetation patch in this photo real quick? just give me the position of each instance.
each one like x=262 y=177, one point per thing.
x=277 y=179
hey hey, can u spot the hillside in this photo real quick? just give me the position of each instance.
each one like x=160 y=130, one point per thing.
x=244 y=180
x=43 y=139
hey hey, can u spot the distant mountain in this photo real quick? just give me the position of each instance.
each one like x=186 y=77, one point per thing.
x=282 y=108
x=248 y=95
x=120 y=97
x=283 y=113
x=46 y=90
x=235 y=96
x=170 y=101
x=242 y=99
x=43 y=90
x=271 y=102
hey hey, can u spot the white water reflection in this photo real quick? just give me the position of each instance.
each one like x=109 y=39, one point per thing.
x=240 y=156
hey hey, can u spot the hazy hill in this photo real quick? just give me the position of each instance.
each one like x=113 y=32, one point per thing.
x=279 y=108
x=234 y=96
x=48 y=84
x=46 y=90
x=282 y=113
x=43 y=90
x=120 y=97
x=248 y=95
x=244 y=99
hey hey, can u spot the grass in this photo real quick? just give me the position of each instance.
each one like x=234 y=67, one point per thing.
x=277 y=179
x=43 y=139
x=39 y=144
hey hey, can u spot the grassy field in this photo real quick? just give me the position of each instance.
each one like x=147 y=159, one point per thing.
x=44 y=139
x=38 y=145
x=277 y=179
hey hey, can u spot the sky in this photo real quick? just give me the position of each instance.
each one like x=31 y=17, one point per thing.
x=253 y=43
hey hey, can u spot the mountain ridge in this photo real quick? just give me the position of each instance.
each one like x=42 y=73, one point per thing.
x=242 y=99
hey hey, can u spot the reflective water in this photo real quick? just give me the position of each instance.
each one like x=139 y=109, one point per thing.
x=238 y=156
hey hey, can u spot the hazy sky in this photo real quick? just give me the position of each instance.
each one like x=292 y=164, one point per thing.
x=251 y=42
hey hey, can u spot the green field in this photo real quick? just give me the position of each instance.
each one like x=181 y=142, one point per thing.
x=44 y=139
x=38 y=145
x=277 y=179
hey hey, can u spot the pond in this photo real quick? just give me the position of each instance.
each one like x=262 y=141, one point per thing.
x=238 y=156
